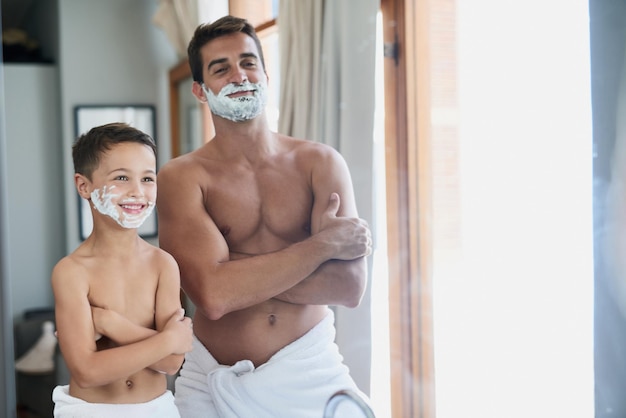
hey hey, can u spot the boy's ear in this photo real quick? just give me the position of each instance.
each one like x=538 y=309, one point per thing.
x=82 y=186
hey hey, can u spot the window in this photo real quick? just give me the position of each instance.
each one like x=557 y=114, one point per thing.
x=489 y=209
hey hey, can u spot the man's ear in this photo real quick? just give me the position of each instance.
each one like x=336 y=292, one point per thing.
x=196 y=89
x=82 y=186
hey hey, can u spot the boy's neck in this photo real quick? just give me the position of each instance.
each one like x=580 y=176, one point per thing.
x=121 y=242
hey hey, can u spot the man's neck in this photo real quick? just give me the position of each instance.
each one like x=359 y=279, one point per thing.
x=249 y=138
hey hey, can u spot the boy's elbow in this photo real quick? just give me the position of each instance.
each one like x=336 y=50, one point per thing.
x=171 y=369
x=174 y=365
x=86 y=378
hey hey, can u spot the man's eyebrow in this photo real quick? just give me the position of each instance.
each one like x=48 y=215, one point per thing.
x=223 y=60
x=215 y=62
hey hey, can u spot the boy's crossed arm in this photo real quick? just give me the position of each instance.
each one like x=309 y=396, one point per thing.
x=123 y=331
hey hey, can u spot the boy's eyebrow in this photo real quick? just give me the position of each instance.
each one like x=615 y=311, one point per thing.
x=223 y=60
x=126 y=170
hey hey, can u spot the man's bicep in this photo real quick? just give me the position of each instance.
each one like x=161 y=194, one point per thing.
x=187 y=231
x=332 y=176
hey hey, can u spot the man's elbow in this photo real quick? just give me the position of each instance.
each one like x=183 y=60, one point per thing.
x=355 y=291
x=353 y=299
x=213 y=308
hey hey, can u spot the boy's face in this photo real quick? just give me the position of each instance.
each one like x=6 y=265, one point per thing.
x=124 y=184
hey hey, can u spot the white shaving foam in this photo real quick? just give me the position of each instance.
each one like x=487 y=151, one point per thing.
x=103 y=202
x=237 y=109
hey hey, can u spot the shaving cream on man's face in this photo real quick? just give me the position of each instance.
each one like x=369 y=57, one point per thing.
x=131 y=215
x=238 y=109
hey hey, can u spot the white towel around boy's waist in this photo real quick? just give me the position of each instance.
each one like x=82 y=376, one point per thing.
x=67 y=406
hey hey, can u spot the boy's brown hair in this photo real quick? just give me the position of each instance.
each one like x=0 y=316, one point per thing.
x=89 y=147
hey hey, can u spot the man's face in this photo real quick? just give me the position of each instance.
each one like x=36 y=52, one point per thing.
x=235 y=83
x=230 y=59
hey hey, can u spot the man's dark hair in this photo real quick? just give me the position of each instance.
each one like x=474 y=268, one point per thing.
x=208 y=31
x=89 y=147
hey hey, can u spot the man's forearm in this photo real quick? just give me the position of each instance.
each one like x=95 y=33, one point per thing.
x=335 y=282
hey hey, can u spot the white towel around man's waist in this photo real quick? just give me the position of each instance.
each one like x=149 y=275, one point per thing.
x=67 y=406
x=296 y=382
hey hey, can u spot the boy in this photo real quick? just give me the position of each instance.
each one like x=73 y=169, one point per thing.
x=119 y=320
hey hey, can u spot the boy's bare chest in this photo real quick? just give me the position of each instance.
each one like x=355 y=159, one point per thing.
x=127 y=288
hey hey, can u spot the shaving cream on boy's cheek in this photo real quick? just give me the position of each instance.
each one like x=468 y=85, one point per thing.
x=237 y=109
x=102 y=201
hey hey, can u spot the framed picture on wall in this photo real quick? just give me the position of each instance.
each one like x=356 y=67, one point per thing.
x=86 y=117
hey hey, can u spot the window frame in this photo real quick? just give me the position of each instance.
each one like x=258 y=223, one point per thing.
x=409 y=205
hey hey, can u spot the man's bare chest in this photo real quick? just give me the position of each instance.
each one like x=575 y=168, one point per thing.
x=264 y=208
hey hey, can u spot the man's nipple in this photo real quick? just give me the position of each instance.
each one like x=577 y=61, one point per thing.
x=225 y=230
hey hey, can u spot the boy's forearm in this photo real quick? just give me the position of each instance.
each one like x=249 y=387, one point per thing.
x=123 y=332
x=105 y=366
x=168 y=365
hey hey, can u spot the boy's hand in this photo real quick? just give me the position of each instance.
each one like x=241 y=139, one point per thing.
x=103 y=320
x=181 y=330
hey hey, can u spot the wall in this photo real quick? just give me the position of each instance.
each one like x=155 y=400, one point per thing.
x=126 y=63
x=36 y=231
x=7 y=385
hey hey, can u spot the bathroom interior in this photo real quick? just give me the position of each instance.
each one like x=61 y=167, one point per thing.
x=486 y=150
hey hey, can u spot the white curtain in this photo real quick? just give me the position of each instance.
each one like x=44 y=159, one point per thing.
x=178 y=19
x=327 y=51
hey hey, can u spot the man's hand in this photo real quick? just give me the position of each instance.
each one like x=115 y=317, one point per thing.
x=351 y=237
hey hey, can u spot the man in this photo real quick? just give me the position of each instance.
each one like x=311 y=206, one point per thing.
x=264 y=228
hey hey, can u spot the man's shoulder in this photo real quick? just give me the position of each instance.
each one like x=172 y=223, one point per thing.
x=309 y=147
x=189 y=163
x=181 y=162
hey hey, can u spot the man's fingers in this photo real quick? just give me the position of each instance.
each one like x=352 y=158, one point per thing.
x=333 y=205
